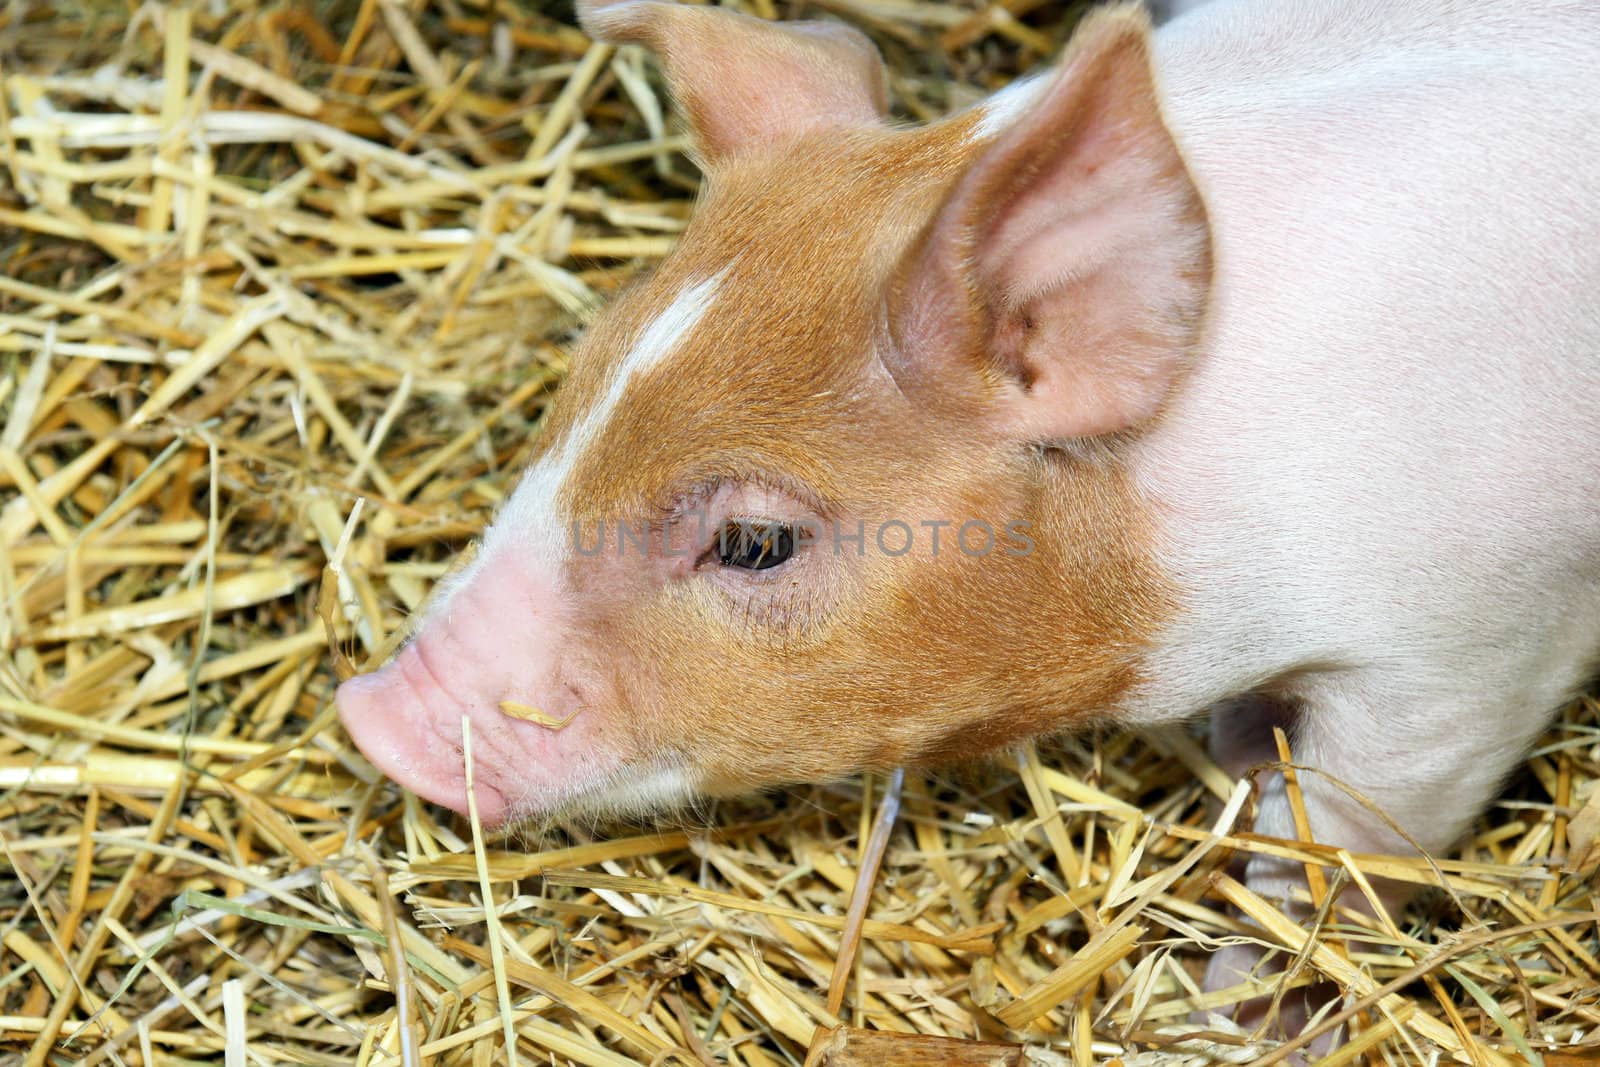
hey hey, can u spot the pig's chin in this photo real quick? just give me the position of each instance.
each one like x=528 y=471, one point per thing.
x=521 y=771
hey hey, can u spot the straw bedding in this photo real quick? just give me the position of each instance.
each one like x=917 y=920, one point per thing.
x=285 y=290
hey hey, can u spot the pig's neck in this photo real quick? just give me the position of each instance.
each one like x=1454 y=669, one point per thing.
x=1354 y=448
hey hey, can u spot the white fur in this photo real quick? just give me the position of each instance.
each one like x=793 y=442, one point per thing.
x=1005 y=107
x=657 y=789
x=655 y=346
x=1381 y=487
x=533 y=515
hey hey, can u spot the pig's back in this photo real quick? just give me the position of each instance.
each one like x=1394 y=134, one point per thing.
x=1391 y=449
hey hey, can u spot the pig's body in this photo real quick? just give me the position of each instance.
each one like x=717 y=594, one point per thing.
x=1280 y=330
x=1382 y=487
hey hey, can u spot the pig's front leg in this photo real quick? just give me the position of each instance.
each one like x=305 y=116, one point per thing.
x=1428 y=765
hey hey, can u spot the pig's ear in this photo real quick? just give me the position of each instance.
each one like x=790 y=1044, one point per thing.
x=1072 y=256
x=744 y=82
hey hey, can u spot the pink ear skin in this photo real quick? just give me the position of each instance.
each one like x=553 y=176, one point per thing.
x=1072 y=259
x=744 y=82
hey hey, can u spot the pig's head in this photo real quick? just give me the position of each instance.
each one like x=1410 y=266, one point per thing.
x=868 y=336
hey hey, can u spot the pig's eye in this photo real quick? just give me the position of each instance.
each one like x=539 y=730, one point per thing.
x=754 y=544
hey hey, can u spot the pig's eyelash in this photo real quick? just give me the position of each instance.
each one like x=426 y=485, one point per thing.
x=744 y=533
x=773 y=606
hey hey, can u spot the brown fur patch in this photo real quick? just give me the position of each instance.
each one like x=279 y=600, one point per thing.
x=874 y=660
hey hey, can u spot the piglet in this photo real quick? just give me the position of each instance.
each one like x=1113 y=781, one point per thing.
x=1247 y=366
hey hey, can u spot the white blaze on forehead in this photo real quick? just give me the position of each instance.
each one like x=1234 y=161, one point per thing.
x=1007 y=106
x=659 y=340
x=530 y=518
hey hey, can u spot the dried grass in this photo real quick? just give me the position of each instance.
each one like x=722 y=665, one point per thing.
x=285 y=291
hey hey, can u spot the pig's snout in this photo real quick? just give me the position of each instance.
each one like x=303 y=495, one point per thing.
x=403 y=721
x=486 y=648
